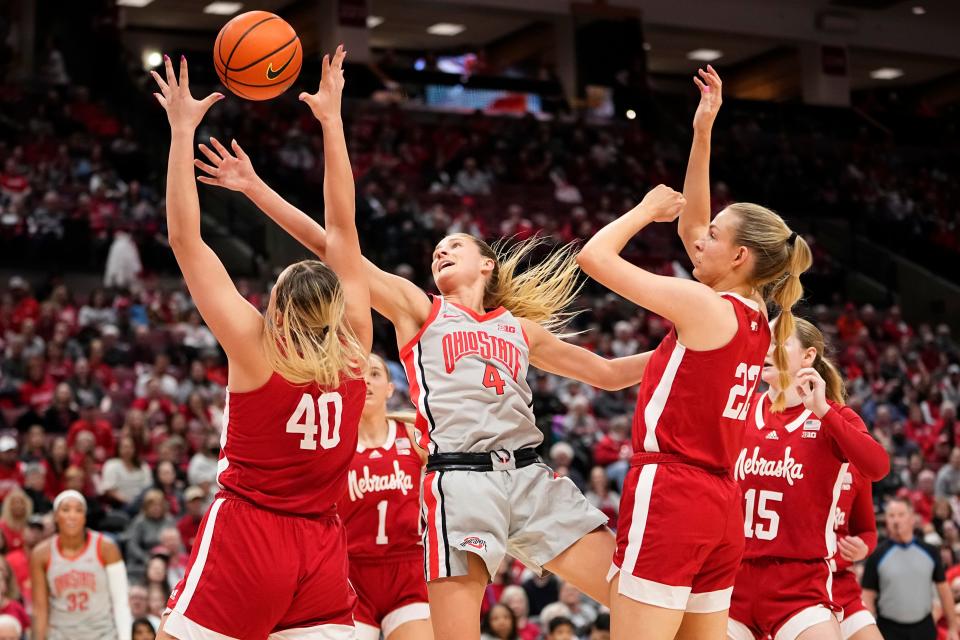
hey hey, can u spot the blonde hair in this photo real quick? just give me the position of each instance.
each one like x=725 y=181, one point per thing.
x=810 y=336
x=540 y=293
x=10 y=583
x=6 y=510
x=305 y=336
x=780 y=256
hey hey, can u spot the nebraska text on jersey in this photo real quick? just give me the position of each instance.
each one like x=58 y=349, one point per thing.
x=759 y=466
x=460 y=344
x=399 y=479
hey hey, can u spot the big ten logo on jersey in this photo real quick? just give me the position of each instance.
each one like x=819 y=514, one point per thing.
x=747 y=377
x=328 y=408
x=399 y=480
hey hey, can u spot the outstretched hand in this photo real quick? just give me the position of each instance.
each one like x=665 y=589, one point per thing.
x=711 y=97
x=325 y=103
x=183 y=111
x=234 y=172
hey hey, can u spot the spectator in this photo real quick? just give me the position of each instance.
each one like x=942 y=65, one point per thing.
x=138 y=604
x=899 y=576
x=171 y=547
x=202 y=469
x=600 y=629
x=189 y=524
x=143 y=629
x=143 y=534
x=561 y=459
x=55 y=465
x=10 y=596
x=541 y=591
x=516 y=598
x=97 y=312
x=472 y=181
x=155 y=573
x=160 y=371
x=613 y=451
x=600 y=496
x=62 y=412
x=948 y=478
x=10 y=628
x=561 y=628
x=126 y=476
x=87 y=390
x=34 y=483
x=165 y=481
x=17 y=509
x=551 y=611
x=123 y=262
x=921 y=498
x=34 y=444
x=582 y=613
x=11 y=475
x=36 y=392
x=500 y=623
x=91 y=422
x=195 y=382
x=19 y=560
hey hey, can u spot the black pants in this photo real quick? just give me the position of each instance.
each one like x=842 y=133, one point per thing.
x=923 y=630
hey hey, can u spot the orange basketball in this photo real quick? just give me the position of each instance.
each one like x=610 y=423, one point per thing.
x=257 y=55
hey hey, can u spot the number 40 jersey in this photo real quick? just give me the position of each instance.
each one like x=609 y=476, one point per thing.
x=286 y=447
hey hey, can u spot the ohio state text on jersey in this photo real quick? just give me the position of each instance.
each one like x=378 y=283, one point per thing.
x=467 y=374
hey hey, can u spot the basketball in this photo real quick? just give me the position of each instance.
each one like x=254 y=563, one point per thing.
x=257 y=55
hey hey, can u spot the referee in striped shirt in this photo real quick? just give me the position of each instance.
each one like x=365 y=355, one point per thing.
x=899 y=580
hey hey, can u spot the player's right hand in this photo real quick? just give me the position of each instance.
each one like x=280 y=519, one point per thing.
x=711 y=97
x=183 y=110
x=662 y=203
x=234 y=172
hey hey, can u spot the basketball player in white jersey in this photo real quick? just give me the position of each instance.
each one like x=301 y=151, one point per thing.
x=466 y=353
x=79 y=580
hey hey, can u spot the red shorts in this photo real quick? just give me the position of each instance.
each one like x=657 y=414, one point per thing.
x=847 y=594
x=780 y=599
x=680 y=538
x=254 y=572
x=390 y=592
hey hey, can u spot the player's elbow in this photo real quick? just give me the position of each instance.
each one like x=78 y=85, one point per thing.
x=587 y=259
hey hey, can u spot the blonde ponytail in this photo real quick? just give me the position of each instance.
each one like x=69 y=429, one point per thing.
x=540 y=293
x=306 y=337
x=780 y=257
x=811 y=337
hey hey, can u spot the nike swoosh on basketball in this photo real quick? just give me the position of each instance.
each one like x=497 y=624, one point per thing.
x=273 y=75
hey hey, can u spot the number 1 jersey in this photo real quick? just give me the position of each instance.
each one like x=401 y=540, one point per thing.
x=287 y=447
x=468 y=380
x=791 y=473
x=693 y=404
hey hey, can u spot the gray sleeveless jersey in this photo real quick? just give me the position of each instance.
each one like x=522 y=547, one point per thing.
x=80 y=607
x=467 y=375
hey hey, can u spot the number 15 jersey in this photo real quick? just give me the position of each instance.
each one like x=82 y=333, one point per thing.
x=467 y=375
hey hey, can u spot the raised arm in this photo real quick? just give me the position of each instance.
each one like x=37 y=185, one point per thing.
x=343 y=251
x=550 y=353
x=703 y=319
x=233 y=320
x=398 y=299
x=695 y=217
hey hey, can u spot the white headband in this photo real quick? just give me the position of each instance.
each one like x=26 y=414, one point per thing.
x=67 y=495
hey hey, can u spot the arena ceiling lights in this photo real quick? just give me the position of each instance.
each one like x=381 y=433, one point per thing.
x=374 y=21
x=223 y=8
x=139 y=4
x=704 y=55
x=445 y=29
x=886 y=73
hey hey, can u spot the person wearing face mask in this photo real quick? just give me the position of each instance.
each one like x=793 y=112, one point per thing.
x=791 y=470
x=79 y=580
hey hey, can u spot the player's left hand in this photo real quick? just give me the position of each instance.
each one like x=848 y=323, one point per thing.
x=183 y=110
x=852 y=548
x=812 y=390
x=325 y=103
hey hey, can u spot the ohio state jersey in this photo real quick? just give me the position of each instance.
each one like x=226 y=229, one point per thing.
x=791 y=473
x=287 y=447
x=694 y=403
x=381 y=508
x=468 y=380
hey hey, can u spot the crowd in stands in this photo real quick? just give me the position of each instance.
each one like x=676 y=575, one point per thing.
x=119 y=392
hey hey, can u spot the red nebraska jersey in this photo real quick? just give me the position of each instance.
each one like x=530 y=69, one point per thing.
x=791 y=473
x=287 y=447
x=693 y=403
x=381 y=508
x=855 y=513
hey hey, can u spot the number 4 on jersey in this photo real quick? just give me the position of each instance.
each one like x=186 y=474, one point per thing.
x=307 y=412
x=493 y=380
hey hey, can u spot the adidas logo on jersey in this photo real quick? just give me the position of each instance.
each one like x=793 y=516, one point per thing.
x=773 y=436
x=375 y=454
x=399 y=479
x=756 y=465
